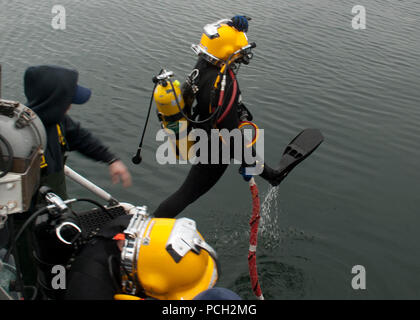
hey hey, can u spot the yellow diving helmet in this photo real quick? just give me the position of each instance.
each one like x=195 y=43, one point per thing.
x=166 y=259
x=219 y=41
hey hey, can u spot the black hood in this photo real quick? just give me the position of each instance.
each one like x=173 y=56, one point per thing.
x=50 y=91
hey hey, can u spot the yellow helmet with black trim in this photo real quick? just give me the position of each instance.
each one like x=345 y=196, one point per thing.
x=167 y=259
x=219 y=41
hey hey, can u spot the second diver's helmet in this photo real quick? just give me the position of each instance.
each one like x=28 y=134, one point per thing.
x=22 y=142
x=167 y=259
x=220 y=41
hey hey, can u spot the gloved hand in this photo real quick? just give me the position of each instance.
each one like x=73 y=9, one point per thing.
x=240 y=23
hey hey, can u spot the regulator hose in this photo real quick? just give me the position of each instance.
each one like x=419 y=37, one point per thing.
x=219 y=107
x=14 y=238
x=232 y=98
x=196 y=122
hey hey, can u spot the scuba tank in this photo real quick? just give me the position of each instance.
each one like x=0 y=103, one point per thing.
x=169 y=102
x=174 y=111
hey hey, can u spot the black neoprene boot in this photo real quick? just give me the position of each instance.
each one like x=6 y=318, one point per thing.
x=274 y=177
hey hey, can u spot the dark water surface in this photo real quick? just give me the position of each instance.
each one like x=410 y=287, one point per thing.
x=354 y=202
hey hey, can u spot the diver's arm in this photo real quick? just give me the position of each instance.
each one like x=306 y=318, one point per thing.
x=81 y=140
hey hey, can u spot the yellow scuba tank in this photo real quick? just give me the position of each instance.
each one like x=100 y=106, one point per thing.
x=172 y=120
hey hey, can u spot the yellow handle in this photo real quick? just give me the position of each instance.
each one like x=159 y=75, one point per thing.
x=257 y=131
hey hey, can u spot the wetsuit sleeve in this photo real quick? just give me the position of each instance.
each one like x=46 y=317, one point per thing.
x=81 y=140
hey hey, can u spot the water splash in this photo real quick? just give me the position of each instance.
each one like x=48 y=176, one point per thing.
x=274 y=229
x=270 y=228
x=269 y=203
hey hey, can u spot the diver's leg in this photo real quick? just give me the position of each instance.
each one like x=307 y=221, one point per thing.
x=200 y=179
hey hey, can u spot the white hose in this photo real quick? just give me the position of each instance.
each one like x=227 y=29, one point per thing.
x=88 y=185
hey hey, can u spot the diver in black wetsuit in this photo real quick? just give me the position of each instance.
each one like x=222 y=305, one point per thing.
x=202 y=177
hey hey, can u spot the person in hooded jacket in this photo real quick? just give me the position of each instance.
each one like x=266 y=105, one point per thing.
x=50 y=91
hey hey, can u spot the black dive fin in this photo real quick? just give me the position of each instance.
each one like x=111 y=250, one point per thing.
x=298 y=150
